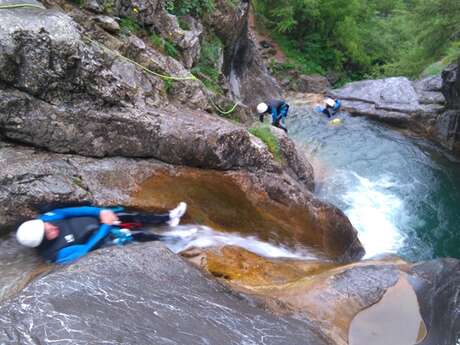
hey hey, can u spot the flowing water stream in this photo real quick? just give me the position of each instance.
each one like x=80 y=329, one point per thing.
x=402 y=194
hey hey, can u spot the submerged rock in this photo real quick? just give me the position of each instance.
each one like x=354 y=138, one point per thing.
x=141 y=294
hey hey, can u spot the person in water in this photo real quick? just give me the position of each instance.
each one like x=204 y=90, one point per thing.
x=278 y=109
x=64 y=235
x=331 y=107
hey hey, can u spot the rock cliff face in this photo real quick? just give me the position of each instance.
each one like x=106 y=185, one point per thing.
x=448 y=129
x=243 y=66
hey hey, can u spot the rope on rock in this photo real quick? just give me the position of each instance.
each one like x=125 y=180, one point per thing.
x=145 y=69
x=13 y=6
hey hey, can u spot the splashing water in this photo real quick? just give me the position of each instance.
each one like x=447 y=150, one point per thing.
x=400 y=193
x=188 y=236
x=374 y=211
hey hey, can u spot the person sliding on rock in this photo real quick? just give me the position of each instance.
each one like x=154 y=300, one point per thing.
x=278 y=110
x=332 y=106
x=66 y=234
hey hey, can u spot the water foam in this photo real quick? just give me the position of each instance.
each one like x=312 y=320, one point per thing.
x=186 y=236
x=374 y=210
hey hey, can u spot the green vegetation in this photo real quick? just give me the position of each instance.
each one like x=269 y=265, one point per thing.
x=78 y=2
x=183 y=24
x=157 y=41
x=170 y=48
x=264 y=133
x=168 y=84
x=207 y=68
x=164 y=45
x=129 y=25
x=108 y=6
x=192 y=7
x=363 y=38
x=233 y=3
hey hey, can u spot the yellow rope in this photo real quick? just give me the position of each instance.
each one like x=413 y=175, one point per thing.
x=163 y=76
x=223 y=112
x=145 y=69
x=12 y=6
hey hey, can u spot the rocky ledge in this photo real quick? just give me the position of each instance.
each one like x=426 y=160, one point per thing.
x=428 y=106
x=385 y=301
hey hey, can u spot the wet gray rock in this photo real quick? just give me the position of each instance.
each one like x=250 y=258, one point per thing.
x=419 y=105
x=386 y=95
x=171 y=302
x=68 y=96
x=297 y=164
x=30 y=180
x=93 y=6
x=192 y=139
x=437 y=284
x=429 y=90
x=311 y=84
x=395 y=100
x=187 y=40
x=152 y=14
x=42 y=53
x=109 y=24
x=243 y=66
x=451 y=86
x=248 y=77
x=447 y=130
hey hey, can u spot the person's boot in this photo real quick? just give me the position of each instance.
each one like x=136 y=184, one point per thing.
x=176 y=214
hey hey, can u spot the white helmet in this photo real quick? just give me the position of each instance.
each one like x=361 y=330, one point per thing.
x=31 y=233
x=262 y=108
x=330 y=102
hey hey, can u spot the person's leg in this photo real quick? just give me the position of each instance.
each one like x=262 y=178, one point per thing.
x=275 y=118
x=282 y=124
x=283 y=115
x=142 y=236
x=137 y=220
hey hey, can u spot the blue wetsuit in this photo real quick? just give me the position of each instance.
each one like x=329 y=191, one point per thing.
x=80 y=231
x=278 y=110
x=331 y=111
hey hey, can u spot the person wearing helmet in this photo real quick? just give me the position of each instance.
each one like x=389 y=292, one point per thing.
x=66 y=234
x=331 y=106
x=278 y=110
